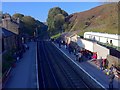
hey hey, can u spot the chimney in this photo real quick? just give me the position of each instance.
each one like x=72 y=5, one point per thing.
x=4 y=23
x=18 y=20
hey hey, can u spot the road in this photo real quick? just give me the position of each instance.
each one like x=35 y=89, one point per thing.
x=54 y=70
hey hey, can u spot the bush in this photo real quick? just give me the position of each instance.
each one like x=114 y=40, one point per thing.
x=5 y=67
x=56 y=36
x=7 y=61
x=8 y=57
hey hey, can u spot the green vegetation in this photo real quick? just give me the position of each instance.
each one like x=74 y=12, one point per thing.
x=100 y=19
x=56 y=36
x=18 y=15
x=7 y=61
x=29 y=24
x=56 y=21
x=103 y=18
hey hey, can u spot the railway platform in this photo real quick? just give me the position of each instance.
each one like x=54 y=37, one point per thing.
x=24 y=74
x=99 y=76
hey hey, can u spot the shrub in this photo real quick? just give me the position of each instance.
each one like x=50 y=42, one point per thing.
x=7 y=61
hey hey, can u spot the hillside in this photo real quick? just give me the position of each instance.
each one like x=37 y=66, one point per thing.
x=103 y=18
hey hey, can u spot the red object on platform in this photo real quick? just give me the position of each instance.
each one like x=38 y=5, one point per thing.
x=94 y=56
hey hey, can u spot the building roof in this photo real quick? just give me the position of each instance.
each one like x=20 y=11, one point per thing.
x=68 y=34
x=6 y=33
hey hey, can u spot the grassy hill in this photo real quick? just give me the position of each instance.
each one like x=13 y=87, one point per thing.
x=103 y=18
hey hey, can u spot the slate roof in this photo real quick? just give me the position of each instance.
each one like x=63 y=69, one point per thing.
x=6 y=33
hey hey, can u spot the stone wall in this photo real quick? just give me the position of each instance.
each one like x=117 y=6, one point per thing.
x=11 y=26
x=113 y=60
x=9 y=42
x=101 y=51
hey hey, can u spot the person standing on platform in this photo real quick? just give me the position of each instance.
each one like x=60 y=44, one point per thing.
x=111 y=79
x=101 y=63
x=79 y=56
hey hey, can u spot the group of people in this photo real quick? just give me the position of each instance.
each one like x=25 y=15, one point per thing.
x=84 y=53
x=79 y=56
x=112 y=74
x=80 y=53
x=103 y=64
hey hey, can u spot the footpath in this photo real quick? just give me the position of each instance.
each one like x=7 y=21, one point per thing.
x=24 y=74
x=96 y=74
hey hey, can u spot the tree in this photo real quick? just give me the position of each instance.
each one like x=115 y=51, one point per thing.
x=18 y=15
x=29 y=24
x=58 y=22
x=41 y=27
x=65 y=26
x=55 y=20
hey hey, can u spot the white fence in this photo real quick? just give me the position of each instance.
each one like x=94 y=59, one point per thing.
x=103 y=37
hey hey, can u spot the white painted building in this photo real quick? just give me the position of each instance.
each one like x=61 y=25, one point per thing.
x=85 y=44
x=94 y=47
x=113 y=39
x=70 y=37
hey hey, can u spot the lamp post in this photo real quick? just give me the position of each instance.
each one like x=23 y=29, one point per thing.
x=37 y=27
x=22 y=40
x=36 y=32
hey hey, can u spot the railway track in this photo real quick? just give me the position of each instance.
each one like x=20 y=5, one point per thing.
x=45 y=73
x=62 y=73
